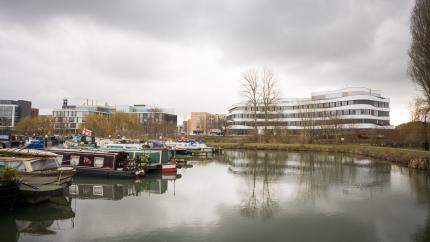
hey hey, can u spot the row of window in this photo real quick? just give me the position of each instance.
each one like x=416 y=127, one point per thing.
x=6 y=122
x=82 y=114
x=320 y=114
x=318 y=105
x=156 y=115
x=66 y=126
x=68 y=120
x=69 y=113
x=310 y=123
x=6 y=111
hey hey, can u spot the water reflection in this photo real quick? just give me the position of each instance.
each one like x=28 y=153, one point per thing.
x=243 y=196
x=117 y=189
x=37 y=220
x=312 y=177
x=261 y=169
x=420 y=184
x=320 y=174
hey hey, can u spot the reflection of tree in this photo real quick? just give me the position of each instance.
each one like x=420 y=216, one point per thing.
x=261 y=168
x=317 y=174
x=420 y=183
x=320 y=172
x=249 y=209
x=267 y=204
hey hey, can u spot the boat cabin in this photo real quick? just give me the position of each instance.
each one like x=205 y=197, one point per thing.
x=96 y=159
x=156 y=156
x=29 y=165
x=38 y=171
x=100 y=163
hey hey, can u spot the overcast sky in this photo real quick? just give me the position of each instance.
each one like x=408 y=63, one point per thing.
x=188 y=55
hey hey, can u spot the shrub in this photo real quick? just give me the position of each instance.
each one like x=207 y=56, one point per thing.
x=8 y=174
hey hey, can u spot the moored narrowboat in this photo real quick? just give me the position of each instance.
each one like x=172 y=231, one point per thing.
x=158 y=157
x=100 y=163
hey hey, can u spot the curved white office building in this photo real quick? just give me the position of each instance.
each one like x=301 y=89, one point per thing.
x=350 y=108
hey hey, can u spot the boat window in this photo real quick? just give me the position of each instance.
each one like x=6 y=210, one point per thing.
x=98 y=190
x=74 y=190
x=18 y=165
x=139 y=155
x=131 y=155
x=44 y=164
x=74 y=160
x=59 y=159
x=98 y=161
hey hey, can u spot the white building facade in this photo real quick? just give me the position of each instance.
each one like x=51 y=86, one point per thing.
x=350 y=108
x=71 y=118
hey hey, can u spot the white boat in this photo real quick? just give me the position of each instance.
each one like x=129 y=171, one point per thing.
x=123 y=146
x=189 y=145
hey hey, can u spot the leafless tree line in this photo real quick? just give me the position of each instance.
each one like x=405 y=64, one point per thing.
x=330 y=126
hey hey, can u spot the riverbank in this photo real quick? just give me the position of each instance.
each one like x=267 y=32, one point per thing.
x=417 y=159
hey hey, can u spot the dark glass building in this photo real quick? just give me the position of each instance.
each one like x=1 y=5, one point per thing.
x=12 y=111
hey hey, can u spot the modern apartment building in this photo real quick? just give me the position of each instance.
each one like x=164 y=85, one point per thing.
x=11 y=112
x=350 y=108
x=156 y=121
x=71 y=118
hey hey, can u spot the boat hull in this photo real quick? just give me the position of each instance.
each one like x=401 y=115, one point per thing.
x=30 y=194
x=107 y=173
x=164 y=168
x=63 y=179
x=168 y=167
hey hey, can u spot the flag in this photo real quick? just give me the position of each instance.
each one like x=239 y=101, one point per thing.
x=86 y=131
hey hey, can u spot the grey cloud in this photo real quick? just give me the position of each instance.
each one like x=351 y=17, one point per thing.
x=106 y=45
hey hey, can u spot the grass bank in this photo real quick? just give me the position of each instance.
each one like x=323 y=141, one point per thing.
x=406 y=157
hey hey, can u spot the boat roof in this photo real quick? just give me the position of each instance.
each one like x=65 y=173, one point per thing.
x=83 y=151
x=12 y=158
x=14 y=152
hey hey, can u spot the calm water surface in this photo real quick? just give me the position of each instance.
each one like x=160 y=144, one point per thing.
x=240 y=196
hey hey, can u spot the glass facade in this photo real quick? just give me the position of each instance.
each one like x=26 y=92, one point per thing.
x=6 y=116
x=9 y=115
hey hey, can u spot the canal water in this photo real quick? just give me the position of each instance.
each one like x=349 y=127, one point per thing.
x=240 y=196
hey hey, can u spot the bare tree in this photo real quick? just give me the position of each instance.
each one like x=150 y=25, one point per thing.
x=334 y=125
x=280 y=129
x=418 y=108
x=251 y=91
x=308 y=115
x=419 y=65
x=269 y=95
